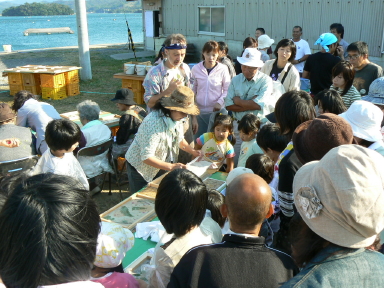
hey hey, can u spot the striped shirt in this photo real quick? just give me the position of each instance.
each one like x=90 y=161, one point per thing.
x=351 y=96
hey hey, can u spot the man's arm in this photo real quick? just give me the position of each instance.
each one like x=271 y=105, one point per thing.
x=302 y=59
x=306 y=74
x=241 y=105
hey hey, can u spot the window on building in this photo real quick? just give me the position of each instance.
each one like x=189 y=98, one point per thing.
x=211 y=20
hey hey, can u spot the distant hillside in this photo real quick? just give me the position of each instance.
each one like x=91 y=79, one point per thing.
x=95 y=6
x=38 y=9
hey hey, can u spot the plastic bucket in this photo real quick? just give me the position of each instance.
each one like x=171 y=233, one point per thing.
x=129 y=69
x=141 y=69
x=7 y=48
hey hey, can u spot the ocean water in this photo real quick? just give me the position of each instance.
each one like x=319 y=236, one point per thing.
x=102 y=29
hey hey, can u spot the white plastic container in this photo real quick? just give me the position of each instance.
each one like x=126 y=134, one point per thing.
x=7 y=48
x=148 y=67
x=129 y=69
x=141 y=69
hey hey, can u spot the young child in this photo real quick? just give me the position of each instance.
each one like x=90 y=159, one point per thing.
x=342 y=77
x=263 y=166
x=62 y=137
x=215 y=146
x=329 y=101
x=215 y=200
x=113 y=243
x=271 y=142
x=248 y=127
x=129 y=122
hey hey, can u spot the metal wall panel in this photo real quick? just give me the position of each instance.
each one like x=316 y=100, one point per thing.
x=362 y=19
x=330 y=13
x=372 y=26
x=264 y=13
x=294 y=16
x=240 y=23
x=279 y=22
x=311 y=22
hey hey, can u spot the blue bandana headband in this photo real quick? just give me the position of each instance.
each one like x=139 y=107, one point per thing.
x=176 y=46
x=326 y=39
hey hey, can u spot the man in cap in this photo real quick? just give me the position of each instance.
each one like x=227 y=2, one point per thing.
x=318 y=67
x=248 y=91
x=242 y=259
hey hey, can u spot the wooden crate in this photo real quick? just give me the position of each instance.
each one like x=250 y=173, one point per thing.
x=72 y=77
x=15 y=79
x=73 y=89
x=15 y=88
x=52 y=80
x=35 y=90
x=30 y=79
x=54 y=93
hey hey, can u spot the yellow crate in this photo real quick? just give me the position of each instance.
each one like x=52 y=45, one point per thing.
x=138 y=96
x=15 y=78
x=72 y=77
x=132 y=84
x=54 y=93
x=30 y=79
x=15 y=88
x=52 y=80
x=35 y=90
x=73 y=89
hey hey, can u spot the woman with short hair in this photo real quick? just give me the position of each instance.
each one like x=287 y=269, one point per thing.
x=181 y=202
x=281 y=68
x=94 y=132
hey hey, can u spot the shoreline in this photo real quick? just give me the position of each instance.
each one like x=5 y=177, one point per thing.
x=94 y=46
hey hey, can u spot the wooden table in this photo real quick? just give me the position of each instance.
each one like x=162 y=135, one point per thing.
x=134 y=83
x=109 y=119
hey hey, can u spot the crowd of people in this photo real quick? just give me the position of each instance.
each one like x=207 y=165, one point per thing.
x=304 y=197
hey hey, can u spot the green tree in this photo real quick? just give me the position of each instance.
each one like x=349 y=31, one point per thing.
x=38 y=9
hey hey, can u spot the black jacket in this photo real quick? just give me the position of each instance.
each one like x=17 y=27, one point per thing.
x=238 y=261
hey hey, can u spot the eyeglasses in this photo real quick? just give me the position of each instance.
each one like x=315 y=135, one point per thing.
x=352 y=57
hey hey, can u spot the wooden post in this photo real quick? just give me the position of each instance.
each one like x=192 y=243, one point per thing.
x=83 y=41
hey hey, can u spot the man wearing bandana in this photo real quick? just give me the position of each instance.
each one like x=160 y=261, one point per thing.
x=164 y=78
x=318 y=67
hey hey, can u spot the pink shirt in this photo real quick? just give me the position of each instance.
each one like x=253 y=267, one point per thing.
x=117 y=280
x=210 y=89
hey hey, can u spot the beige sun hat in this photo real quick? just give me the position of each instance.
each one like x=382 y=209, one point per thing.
x=264 y=41
x=341 y=197
x=183 y=100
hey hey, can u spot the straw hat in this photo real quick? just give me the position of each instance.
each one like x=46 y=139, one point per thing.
x=251 y=57
x=182 y=100
x=365 y=119
x=6 y=112
x=341 y=197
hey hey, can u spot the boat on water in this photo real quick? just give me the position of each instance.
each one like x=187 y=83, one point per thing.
x=48 y=31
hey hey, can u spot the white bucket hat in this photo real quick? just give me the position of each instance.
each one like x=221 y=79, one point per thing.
x=365 y=119
x=264 y=41
x=237 y=172
x=113 y=243
x=251 y=57
x=341 y=197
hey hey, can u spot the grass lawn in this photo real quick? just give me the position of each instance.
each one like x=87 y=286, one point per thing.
x=100 y=89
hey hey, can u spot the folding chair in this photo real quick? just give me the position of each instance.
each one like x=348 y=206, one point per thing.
x=17 y=166
x=98 y=150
